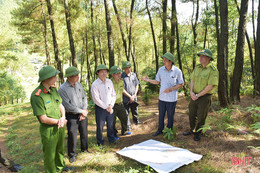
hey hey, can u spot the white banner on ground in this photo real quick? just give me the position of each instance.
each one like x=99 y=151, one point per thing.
x=160 y=156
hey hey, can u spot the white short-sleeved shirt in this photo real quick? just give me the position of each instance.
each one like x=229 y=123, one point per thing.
x=169 y=79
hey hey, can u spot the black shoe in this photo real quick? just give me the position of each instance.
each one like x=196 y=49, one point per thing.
x=83 y=151
x=73 y=158
x=138 y=122
x=157 y=133
x=197 y=137
x=66 y=169
x=187 y=133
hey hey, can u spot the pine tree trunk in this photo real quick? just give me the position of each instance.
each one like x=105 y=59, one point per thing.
x=194 y=27
x=71 y=40
x=130 y=29
x=222 y=63
x=121 y=29
x=154 y=40
x=55 y=43
x=93 y=36
x=239 y=59
x=164 y=25
x=173 y=26
x=179 y=56
x=46 y=45
x=257 y=54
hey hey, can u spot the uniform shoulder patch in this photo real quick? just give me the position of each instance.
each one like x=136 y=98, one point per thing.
x=38 y=92
x=213 y=67
x=44 y=90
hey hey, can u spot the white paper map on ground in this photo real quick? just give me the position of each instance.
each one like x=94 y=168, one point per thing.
x=160 y=156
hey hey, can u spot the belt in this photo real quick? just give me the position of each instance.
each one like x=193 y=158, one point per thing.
x=118 y=103
x=205 y=94
x=71 y=113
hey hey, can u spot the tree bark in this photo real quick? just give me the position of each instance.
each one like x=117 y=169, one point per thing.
x=93 y=35
x=46 y=45
x=130 y=29
x=71 y=40
x=179 y=56
x=82 y=59
x=206 y=25
x=121 y=29
x=55 y=43
x=109 y=36
x=250 y=53
x=173 y=26
x=164 y=26
x=257 y=53
x=239 y=59
x=194 y=27
x=154 y=40
x=222 y=63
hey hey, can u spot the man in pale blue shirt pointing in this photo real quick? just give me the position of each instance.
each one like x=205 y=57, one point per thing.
x=170 y=78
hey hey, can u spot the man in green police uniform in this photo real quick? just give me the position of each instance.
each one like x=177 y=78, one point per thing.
x=47 y=107
x=119 y=109
x=204 y=82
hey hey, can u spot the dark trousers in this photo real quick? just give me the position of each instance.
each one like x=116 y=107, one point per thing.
x=198 y=112
x=134 y=111
x=168 y=107
x=103 y=116
x=119 y=111
x=74 y=125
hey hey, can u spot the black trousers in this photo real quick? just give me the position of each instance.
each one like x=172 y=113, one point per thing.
x=119 y=111
x=134 y=111
x=198 y=112
x=74 y=125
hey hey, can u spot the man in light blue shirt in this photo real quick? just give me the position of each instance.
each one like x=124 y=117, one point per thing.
x=170 y=78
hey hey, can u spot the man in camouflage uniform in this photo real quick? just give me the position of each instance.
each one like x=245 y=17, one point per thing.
x=204 y=82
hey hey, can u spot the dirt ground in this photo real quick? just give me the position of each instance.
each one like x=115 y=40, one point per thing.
x=219 y=147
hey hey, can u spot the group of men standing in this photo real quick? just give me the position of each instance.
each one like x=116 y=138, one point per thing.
x=113 y=98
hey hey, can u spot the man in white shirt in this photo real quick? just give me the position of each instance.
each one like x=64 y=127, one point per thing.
x=104 y=97
x=170 y=78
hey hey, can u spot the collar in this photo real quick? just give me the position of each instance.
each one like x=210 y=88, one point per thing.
x=125 y=75
x=172 y=69
x=100 y=81
x=68 y=84
x=207 y=66
x=44 y=90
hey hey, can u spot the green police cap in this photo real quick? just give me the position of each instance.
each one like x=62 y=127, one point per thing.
x=169 y=56
x=206 y=52
x=115 y=70
x=47 y=72
x=126 y=64
x=71 y=71
x=101 y=67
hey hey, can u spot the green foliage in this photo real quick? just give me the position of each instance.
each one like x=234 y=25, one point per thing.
x=256 y=127
x=10 y=89
x=255 y=112
x=204 y=128
x=146 y=96
x=151 y=73
x=169 y=134
x=227 y=113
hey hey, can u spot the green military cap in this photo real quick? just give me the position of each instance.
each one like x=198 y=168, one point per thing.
x=206 y=52
x=126 y=64
x=114 y=70
x=71 y=71
x=101 y=67
x=47 y=72
x=169 y=56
